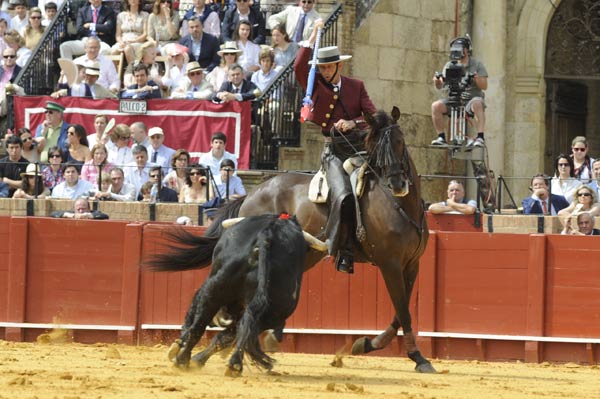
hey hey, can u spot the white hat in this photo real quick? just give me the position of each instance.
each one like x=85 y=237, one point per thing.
x=330 y=55
x=229 y=48
x=93 y=68
x=31 y=170
x=154 y=131
x=193 y=66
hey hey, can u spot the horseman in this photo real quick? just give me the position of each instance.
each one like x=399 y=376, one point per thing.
x=339 y=106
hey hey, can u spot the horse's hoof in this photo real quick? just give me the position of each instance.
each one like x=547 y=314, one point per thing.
x=425 y=368
x=270 y=343
x=233 y=371
x=362 y=345
x=174 y=350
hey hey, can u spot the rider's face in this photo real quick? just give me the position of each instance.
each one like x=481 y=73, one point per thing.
x=331 y=72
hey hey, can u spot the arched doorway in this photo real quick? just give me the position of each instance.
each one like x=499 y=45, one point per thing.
x=572 y=73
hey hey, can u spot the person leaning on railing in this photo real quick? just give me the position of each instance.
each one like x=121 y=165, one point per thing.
x=456 y=202
x=541 y=201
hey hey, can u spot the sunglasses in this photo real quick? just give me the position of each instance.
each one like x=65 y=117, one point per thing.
x=54 y=156
x=123 y=138
x=195 y=73
x=241 y=1
x=579 y=149
x=28 y=139
x=584 y=194
x=195 y=174
x=70 y=133
x=307 y=2
x=563 y=165
x=9 y=56
x=154 y=176
x=35 y=17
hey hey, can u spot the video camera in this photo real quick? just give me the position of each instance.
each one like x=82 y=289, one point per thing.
x=456 y=80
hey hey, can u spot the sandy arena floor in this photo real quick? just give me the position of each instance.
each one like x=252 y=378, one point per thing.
x=70 y=371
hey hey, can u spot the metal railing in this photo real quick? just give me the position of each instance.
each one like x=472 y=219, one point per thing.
x=277 y=110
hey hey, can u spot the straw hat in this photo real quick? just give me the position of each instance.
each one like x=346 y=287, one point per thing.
x=93 y=68
x=193 y=66
x=330 y=55
x=230 y=48
x=30 y=171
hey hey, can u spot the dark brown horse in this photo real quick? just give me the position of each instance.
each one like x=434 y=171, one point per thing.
x=393 y=218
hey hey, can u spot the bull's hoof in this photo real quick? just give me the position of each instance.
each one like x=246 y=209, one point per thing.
x=234 y=370
x=270 y=343
x=174 y=350
x=425 y=368
x=362 y=345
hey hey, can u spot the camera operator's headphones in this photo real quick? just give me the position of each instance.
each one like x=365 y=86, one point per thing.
x=465 y=42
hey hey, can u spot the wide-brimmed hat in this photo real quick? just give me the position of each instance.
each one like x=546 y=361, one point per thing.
x=30 y=171
x=174 y=49
x=52 y=106
x=154 y=131
x=193 y=66
x=330 y=55
x=93 y=68
x=229 y=48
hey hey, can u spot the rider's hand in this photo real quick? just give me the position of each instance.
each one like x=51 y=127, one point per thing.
x=344 y=125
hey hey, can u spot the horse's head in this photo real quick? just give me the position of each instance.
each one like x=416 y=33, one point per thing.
x=387 y=151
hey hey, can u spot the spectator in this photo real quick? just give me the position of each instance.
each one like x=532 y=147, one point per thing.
x=132 y=30
x=146 y=192
x=109 y=77
x=119 y=153
x=237 y=88
x=88 y=86
x=595 y=184
x=97 y=165
x=229 y=185
x=197 y=189
x=3 y=190
x=6 y=25
x=250 y=51
x=585 y=224
x=284 y=49
x=31 y=150
x=243 y=12
x=581 y=159
x=266 y=73
x=163 y=24
x=32 y=184
x=139 y=132
x=147 y=56
x=159 y=153
x=217 y=154
x=53 y=172
x=119 y=190
x=176 y=66
x=81 y=210
x=203 y=47
x=3 y=30
x=100 y=122
x=456 y=202
x=13 y=164
x=584 y=200
x=176 y=178
x=73 y=187
x=229 y=54
x=17 y=43
x=541 y=200
x=53 y=129
x=298 y=20
x=158 y=192
x=19 y=21
x=78 y=150
x=564 y=182
x=50 y=10
x=184 y=220
x=194 y=86
x=138 y=171
x=93 y=20
x=9 y=69
x=34 y=30
x=210 y=19
x=143 y=88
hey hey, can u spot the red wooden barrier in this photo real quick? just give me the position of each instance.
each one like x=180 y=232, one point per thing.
x=480 y=295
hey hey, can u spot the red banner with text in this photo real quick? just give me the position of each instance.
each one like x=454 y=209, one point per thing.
x=187 y=124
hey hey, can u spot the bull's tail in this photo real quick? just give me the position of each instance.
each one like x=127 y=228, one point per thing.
x=250 y=326
x=188 y=251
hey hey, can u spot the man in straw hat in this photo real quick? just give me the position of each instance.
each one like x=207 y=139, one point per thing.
x=342 y=102
x=202 y=47
x=89 y=87
x=194 y=86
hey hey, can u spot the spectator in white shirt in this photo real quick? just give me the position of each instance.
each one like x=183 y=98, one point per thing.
x=120 y=154
x=217 y=154
x=158 y=153
x=118 y=190
x=138 y=172
x=108 y=73
x=73 y=187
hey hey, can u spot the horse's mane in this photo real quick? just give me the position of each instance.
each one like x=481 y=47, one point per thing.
x=377 y=143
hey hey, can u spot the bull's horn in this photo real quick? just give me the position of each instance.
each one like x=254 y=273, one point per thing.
x=314 y=242
x=230 y=222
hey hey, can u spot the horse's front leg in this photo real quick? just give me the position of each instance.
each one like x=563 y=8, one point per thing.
x=365 y=345
x=221 y=341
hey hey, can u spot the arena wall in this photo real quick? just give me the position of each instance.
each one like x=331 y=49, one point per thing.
x=479 y=295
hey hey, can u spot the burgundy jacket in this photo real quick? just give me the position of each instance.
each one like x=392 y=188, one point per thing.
x=328 y=106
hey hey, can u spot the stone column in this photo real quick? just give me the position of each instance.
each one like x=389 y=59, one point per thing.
x=489 y=46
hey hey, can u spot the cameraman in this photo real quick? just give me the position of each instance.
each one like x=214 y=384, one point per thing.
x=470 y=91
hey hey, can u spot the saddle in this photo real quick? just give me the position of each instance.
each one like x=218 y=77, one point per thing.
x=355 y=167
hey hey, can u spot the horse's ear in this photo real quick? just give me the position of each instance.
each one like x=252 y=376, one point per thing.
x=369 y=119
x=395 y=113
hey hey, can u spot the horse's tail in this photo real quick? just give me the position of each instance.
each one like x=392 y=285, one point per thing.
x=250 y=324
x=189 y=251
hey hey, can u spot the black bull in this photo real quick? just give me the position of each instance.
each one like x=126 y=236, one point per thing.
x=256 y=275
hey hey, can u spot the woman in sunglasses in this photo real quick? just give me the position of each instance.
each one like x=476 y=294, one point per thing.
x=196 y=187
x=581 y=159
x=78 y=147
x=34 y=30
x=584 y=200
x=53 y=173
x=564 y=182
x=31 y=150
